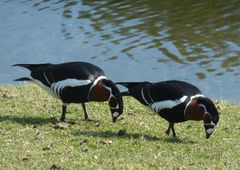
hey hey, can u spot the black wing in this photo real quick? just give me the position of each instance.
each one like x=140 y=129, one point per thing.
x=74 y=70
x=172 y=90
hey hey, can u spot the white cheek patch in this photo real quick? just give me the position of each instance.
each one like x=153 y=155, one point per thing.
x=210 y=131
x=115 y=114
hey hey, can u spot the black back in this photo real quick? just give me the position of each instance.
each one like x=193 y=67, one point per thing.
x=165 y=90
x=172 y=90
x=48 y=73
x=71 y=70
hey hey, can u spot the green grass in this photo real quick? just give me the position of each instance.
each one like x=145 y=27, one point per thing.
x=30 y=139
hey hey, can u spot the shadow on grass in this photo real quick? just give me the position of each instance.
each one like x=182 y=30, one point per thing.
x=103 y=134
x=27 y=120
x=135 y=136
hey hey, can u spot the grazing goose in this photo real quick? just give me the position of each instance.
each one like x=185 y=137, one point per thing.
x=76 y=82
x=175 y=101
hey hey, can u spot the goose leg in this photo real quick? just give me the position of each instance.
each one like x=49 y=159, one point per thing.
x=168 y=130
x=173 y=130
x=85 y=112
x=171 y=127
x=63 y=117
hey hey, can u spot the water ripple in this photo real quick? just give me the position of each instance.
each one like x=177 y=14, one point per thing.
x=185 y=32
x=200 y=37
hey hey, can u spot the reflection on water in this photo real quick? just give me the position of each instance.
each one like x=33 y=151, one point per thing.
x=184 y=32
x=201 y=37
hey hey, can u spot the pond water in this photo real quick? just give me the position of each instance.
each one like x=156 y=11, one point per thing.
x=195 y=41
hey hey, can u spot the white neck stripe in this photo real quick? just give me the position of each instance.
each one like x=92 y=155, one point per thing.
x=95 y=83
x=192 y=97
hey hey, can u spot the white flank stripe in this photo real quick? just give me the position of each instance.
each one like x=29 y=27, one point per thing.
x=167 y=104
x=58 y=86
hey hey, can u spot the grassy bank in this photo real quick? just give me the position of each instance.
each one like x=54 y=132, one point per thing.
x=32 y=138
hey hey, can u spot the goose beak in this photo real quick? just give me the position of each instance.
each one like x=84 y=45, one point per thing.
x=208 y=136
x=114 y=119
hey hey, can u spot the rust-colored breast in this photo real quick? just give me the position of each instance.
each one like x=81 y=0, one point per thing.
x=193 y=111
x=99 y=93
